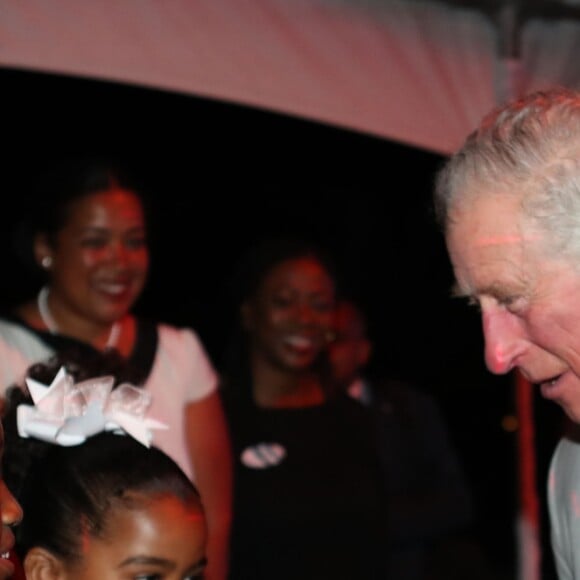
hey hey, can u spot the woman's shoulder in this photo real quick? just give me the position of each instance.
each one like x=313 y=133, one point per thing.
x=11 y=325
x=178 y=337
x=181 y=347
x=16 y=333
x=20 y=346
x=175 y=331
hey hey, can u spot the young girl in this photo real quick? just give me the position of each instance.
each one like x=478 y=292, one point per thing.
x=109 y=507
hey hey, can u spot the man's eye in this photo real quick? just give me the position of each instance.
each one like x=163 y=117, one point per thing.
x=514 y=304
x=474 y=302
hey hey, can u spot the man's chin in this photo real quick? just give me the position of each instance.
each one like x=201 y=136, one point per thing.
x=573 y=413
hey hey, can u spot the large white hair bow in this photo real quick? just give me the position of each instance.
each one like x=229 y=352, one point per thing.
x=67 y=414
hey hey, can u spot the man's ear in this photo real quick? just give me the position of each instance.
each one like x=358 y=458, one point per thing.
x=40 y=564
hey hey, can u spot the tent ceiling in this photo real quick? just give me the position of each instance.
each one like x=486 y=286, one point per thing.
x=528 y=8
x=420 y=72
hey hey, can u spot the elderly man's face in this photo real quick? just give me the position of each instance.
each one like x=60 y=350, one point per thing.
x=529 y=300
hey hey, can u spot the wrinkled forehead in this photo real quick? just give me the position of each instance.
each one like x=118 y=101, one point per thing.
x=487 y=228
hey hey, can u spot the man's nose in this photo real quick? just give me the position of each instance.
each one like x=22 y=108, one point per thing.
x=504 y=340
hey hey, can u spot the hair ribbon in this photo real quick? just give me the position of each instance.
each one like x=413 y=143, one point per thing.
x=65 y=413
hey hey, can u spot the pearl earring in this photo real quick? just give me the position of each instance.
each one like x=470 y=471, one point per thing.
x=46 y=262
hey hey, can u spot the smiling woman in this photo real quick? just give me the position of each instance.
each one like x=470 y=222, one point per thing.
x=90 y=241
x=308 y=498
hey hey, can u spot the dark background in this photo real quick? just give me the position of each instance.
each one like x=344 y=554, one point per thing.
x=222 y=176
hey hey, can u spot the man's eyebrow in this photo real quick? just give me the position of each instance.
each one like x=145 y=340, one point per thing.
x=493 y=290
x=455 y=291
x=458 y=292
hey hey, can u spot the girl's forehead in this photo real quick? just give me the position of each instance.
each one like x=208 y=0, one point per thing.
x=147 y=532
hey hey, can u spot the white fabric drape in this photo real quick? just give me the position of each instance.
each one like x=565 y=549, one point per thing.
x=418 y=72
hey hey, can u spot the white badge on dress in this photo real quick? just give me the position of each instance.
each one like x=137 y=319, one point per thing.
x=263 y=455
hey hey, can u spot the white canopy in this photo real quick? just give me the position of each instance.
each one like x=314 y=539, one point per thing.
x=418 y=72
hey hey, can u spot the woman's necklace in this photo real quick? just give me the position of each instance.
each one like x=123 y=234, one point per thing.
x=49 y=322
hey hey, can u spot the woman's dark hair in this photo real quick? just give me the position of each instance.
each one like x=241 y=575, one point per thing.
x=260 y=258
x=71 y=179
x=66 y=491
x=52 y=191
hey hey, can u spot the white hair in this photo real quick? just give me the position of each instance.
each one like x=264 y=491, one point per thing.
x=530 y=147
